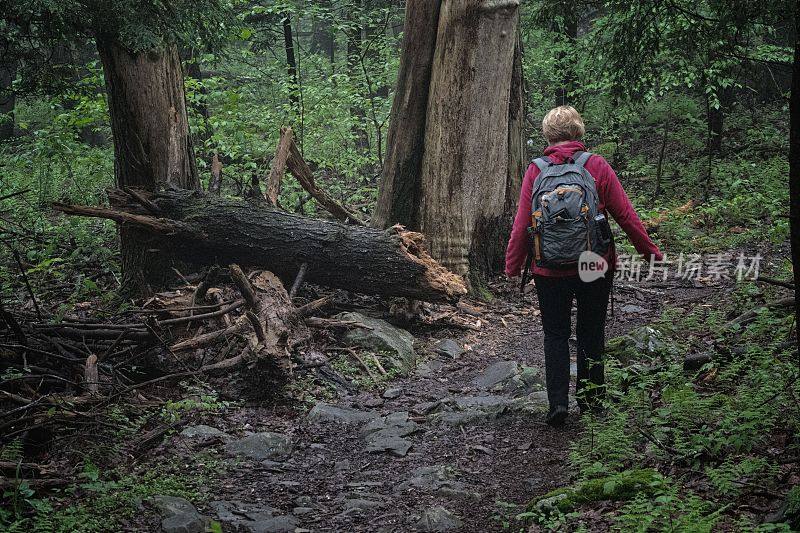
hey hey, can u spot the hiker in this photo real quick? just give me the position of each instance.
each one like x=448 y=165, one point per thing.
x=559 y=217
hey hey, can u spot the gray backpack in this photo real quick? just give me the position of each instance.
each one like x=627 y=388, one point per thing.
x=565 y=219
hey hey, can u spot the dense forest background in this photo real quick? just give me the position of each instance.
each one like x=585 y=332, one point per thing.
x=688 y=101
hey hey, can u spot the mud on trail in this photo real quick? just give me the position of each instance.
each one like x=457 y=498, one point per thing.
x=438 y=450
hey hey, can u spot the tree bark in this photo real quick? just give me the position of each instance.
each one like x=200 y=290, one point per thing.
x=291 y=62
x=570 y=17
x=794 y=167
x=400 y=189
x=200 y=230
x=152 y=147
x=465 y=164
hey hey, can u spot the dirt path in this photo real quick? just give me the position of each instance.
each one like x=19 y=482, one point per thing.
x=433 y=451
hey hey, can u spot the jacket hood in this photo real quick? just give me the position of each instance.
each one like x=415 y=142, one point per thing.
x=559 y=152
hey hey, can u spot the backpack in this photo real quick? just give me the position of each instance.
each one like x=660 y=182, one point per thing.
x=565 y=219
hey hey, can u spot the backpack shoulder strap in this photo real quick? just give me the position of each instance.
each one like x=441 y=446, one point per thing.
x=542 y=162
x=581 y=158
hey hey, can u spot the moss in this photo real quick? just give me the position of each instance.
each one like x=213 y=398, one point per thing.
x=617 y=487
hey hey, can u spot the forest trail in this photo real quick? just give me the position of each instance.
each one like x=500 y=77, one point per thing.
x=438 y=450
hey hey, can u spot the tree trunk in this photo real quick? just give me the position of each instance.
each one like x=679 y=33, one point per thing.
x=8 y=72
x=200 y=229
x=794 y=169
x=465 y=164
x=152 y=147
x=400 y=189
x=355 y=42
x=291 y=62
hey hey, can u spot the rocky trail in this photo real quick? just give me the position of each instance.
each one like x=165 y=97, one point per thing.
x=436 y=450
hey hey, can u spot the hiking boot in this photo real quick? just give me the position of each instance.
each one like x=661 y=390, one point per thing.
x=557 y=416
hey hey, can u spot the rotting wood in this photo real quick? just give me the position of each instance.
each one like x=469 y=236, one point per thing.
x=278 y=169
x=203 y=230
x=301 y=171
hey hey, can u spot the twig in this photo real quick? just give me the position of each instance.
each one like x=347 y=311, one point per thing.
x=298 y=281
x=27 y=283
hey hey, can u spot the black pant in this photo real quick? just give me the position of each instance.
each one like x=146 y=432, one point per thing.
x=555 y=304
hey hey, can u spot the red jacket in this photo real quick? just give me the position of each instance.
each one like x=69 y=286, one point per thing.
x=613 y=201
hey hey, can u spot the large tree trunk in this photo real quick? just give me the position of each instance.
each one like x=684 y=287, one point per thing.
x=398 y=202
x=200 y=230
x=463 y=191
x=465 y=164
x=152 y=147
x=794 y=169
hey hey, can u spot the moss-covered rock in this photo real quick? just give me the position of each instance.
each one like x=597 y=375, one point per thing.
x=617 y=487
x=640 y=342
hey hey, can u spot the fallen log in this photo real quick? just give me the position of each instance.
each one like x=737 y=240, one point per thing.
x=202 y=230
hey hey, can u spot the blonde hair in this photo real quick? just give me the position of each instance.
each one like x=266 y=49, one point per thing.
x=563 y=123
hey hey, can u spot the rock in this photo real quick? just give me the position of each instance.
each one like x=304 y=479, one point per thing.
x=261 y=446
x=395 y=345
x=509 y=377
x=373 y=402
x=695 y=361
x=448 y=348
x=496 y=373
x=300 y=511
x=439 y=480
x=639 y=342
x=323 y=412
x=429 y=368
x=465 y=410
x=178 y=515
x=392 y=393
x=341 y=466
x=203 y=432
x=386 y=434
x=393 y=444
x=633 y=309
x=438 y=519
x=253 y=517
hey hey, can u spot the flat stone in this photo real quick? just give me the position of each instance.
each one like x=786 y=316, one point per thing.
x=392 y=393
x=261 y=446
x=202 y=432
x=496 y=373
x=448 y=348
x=178 y=515
x=429 y=368
x=323 y=412
x=465 y=410
x=254 y=518
x=438 y=519
x=439 y=480
x=300 y=511
x=393 y=444
x=393 y=344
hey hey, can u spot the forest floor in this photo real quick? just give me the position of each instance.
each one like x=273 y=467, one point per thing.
x=457 y=444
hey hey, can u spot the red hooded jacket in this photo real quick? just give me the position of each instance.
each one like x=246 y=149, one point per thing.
x=613 y=201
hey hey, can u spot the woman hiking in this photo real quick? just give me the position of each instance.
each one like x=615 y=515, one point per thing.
x=565 y=201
